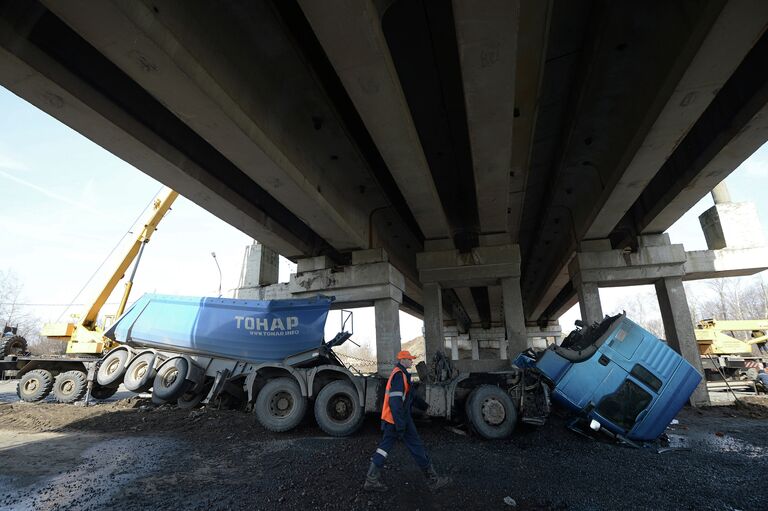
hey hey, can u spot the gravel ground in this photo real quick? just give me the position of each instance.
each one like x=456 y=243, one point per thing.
x=127 y=455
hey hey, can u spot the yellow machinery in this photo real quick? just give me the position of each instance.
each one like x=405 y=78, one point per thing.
x=86 y=336
x=732 y=355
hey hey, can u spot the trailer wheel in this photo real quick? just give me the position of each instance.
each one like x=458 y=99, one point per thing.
x=337 y=409
x=100 y=392
x=192 y=398
x=491 y=412
x=112 y=368
x=70 y=386
x=14 y=345
x=140 y=373
x=34 y=385
x=280 y=405
x=170 y=382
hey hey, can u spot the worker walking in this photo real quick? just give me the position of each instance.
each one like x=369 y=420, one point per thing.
x=397 y=424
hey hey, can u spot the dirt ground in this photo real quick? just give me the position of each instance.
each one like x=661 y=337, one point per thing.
x=127 y=454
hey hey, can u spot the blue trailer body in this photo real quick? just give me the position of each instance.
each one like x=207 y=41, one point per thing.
x=628 y=380
x=249 y=330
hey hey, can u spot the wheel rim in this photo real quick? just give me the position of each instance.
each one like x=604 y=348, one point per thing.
x=17 y=348
x=31 y=385
x=281 y=404
x=67 y=387
x=169 y=377
x=493 y=412
x=140 y=370
x=113 y=366
x=340 y=408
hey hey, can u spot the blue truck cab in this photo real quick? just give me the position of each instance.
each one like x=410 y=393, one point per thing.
x=620 y=375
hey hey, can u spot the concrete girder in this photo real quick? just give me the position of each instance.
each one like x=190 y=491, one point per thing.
x=729 y=39
x=748 y=140
x=36 y=77
x=533 y=33
x=486 y=33
x=465 y=296
x=254 y=119
x=680 y=106
x=351 y=35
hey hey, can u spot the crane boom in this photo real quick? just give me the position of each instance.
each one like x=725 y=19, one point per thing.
x=86 y=336
x=160 y=207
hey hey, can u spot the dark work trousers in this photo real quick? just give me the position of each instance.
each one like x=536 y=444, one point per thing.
x=410 y=438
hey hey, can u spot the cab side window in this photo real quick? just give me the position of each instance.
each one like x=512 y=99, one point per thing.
x=623 y=406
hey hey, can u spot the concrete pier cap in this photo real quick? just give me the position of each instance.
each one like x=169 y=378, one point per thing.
x=491 y=266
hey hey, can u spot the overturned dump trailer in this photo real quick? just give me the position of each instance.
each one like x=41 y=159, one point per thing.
x=270 y=356
x=618 y=376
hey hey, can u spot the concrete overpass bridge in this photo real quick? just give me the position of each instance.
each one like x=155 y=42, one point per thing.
x=454 y=159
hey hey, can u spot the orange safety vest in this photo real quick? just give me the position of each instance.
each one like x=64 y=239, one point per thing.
x=386 y=412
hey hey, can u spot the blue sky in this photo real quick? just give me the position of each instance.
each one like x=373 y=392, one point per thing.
x=66 y=202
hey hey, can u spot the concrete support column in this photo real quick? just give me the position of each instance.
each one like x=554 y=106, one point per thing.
x=454 y=348
x=589 y=302
x=475 y=349
x=503 y=349
x=679 y=329
x=434 y=340
x=387 y=313
x=514 y=319
x=261 y=267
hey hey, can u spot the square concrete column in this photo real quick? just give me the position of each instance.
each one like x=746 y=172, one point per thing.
x=589 y=302
x=514 y=319
x=261 y=267
x=678 y=328
x=454 y=348
x=387 y=314
x=434 y=339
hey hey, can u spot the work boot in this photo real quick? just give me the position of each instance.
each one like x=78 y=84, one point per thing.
x=373 y=480
x=434 y=481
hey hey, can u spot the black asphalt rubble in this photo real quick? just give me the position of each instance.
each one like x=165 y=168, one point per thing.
x=130 y=455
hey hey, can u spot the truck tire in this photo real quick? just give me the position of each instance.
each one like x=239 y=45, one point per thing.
x=70 y=386
x=35 y=385
x=112 y=368
x=280 y=405
x=99 y=392
x=14 y=345
x=192 y=398
x=140 y=373
x=337 y=409
x=170 y=382
x=491 y=412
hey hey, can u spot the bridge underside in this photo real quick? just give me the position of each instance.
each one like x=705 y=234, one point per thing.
x=482 y=145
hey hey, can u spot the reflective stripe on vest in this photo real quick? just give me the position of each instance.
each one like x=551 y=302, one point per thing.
x=386 y=412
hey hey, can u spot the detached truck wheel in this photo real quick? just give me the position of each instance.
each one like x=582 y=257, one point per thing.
x=15 y=345
x=170 y=382
x=70 y=386
x=337 y=409
x=280 y=405
x=491 y=412
x=112 y=368
x=140 y=373
x=34 y=385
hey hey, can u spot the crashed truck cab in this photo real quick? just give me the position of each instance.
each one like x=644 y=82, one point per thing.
x=618 y=376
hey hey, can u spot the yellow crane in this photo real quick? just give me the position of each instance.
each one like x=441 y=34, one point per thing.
x=734 y=356
x=86 y=336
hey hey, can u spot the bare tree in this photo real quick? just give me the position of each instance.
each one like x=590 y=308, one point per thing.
x=15 y=315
